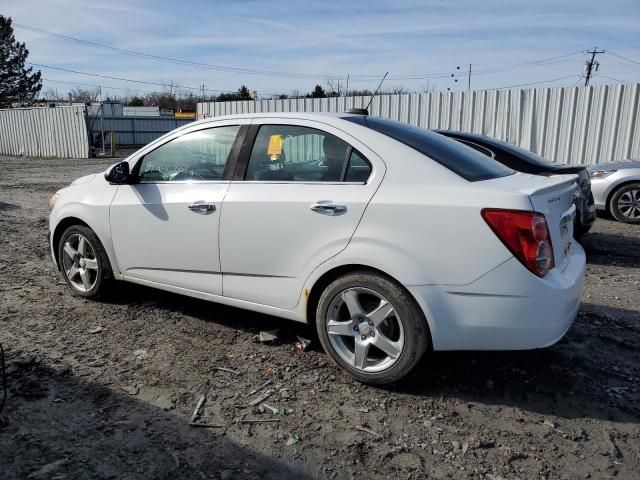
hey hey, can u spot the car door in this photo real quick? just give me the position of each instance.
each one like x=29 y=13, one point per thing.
x=300 y=189
x=164 y=228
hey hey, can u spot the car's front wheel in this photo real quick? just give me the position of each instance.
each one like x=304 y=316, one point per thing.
x=83 y=262
x=372 y=327
x=625 y=204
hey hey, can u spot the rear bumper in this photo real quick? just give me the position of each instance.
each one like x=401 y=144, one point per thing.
x=509 y=308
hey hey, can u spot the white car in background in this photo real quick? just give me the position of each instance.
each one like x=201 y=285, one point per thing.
x=616 y=189
x=391 y=240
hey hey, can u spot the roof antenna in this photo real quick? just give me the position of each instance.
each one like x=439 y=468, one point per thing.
x=376 y=92
x=365 y=110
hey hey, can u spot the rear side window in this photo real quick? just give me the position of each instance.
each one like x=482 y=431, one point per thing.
x=358 y=169
x=290 y=153
x=460 y=159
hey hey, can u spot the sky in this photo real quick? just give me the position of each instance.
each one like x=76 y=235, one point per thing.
x=281 y=46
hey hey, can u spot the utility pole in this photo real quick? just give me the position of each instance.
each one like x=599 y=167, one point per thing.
x=592 y=65
x=202 y=87
x=469 y=82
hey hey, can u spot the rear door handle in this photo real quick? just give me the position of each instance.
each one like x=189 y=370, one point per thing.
x=327 y=207
x=202 y=208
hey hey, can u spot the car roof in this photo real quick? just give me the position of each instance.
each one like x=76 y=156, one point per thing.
x=299 y=115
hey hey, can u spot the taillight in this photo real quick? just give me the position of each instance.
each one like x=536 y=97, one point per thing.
x=525 y=234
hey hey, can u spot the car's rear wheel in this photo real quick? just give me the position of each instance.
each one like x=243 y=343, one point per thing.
x=372 y=327
x=83 y=262
x=625 y=204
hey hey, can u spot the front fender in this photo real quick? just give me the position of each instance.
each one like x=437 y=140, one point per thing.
x=95 y=216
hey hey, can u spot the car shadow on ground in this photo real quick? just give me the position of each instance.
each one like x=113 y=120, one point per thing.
x=612 y=249
x=569 y=379
x=63 y=427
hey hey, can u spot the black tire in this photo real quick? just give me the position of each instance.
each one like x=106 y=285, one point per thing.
x=614 y=207
x=416 y=334
x=101 y=279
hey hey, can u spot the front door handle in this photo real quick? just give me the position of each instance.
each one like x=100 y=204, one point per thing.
x=327 y=207
x=202 y=208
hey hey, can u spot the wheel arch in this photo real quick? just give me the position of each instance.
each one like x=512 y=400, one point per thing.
x=616 y=188
x=330 y=275
x=65 y=223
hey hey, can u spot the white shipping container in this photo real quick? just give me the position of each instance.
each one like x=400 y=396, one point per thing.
x=141 y=111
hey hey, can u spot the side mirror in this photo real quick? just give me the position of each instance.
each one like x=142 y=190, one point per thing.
x=118 y=174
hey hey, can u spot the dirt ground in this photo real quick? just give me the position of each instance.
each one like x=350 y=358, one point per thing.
x=106 y=389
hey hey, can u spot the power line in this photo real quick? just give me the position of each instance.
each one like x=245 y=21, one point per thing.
x=161 y=58
x=105 y=87
x=535 y=83
x=315 y=76
x=124 y=79
x=623 y=58
x=609 y=78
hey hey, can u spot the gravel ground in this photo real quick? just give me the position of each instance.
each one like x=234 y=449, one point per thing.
x=106 y=389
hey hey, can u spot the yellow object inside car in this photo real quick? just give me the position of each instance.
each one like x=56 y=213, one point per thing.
x=274 y=150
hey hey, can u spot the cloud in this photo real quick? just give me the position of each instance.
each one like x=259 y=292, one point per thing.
x=404 y=37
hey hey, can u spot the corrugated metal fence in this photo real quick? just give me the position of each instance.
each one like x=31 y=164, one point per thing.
x=44 y=132
x=583 y=125
x=134 y=131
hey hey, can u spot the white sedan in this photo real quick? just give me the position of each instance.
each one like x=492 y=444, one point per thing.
x=390 y=239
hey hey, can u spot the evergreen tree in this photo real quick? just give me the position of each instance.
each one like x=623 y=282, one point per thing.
x=243 y=93
x=136 y=101
x=17 y=83
x=318 y=92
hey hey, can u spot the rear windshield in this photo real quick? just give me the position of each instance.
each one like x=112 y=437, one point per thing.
x=524 y=154
x=460 y=159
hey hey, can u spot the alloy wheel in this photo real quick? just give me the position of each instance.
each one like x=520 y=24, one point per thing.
x=629 y=204
x=80 y=263
x=364 y=329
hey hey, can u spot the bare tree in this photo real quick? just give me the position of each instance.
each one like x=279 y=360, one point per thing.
x=335 y=87
x=51 y=94
x=399 y=90
x=429 y=87
x=83 y=95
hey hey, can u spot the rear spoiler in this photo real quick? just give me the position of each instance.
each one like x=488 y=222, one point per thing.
x=558 y=181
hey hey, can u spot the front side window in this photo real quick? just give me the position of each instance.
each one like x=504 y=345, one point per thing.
x=289 y=153
x=200 y=155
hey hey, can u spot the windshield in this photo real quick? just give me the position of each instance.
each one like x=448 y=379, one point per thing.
x=460 y=159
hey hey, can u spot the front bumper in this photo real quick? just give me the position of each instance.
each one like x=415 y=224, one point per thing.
x=509 y=308
x=51 y=249
x=586 y=210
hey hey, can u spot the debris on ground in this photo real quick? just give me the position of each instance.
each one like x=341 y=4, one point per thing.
x=261 y=398
x=275 y=410
x=140 y=355
x=268 y=335
x=264 y=406
x=293 y=439
x=196 y=411
x=228 y=370
x=368 y=430
x=261 y=387
x=96 y=329
x=302 y=344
